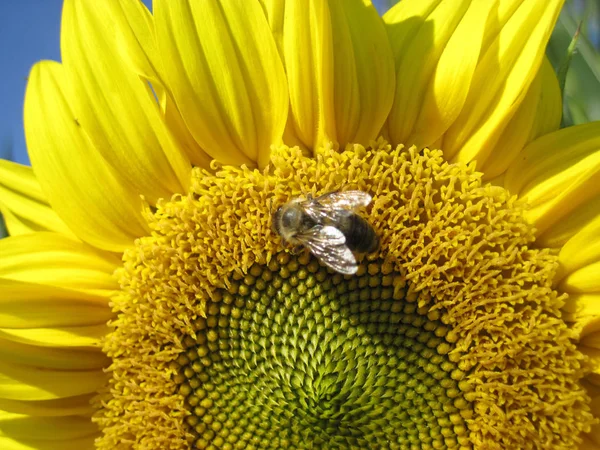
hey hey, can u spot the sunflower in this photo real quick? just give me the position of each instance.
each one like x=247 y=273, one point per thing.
x=147 y=302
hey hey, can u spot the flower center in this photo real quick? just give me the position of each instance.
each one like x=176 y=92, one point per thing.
x=295 y=356
x=450 y=336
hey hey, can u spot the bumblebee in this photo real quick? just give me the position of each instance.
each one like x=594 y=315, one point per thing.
x=329 y=227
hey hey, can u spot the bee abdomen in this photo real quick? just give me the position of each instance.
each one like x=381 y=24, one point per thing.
x=360 y=235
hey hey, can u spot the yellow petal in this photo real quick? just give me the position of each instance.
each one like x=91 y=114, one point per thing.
x=549 y=109
x=586 y=279
x=274 y=11
x=587 y=444
x=594 y=357
x=556 y=174
x=15 y=225
x=593 y=391
x=582 y=305
x=594 y=436
x=30 y=305
x=20 y=426
x=340 y=69
x=52 y=358
x=235 y=114
x=114 y=105
x=363 y=71
x=20 y=382
x=436 y=47
x=539 y=114
x=560 y=232
x=83 y=188
x=308 y=57
x=88 y=336
x=24 y=203
x=511 y=55
x=86 y=443
x=137 y=43
x=68 y=406
x=582 y=311
x=581 y=250
x=592 y=340
x=185 y=139
x=56 y=260
x=135 y=35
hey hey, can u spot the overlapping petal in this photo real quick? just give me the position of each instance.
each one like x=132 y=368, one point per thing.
x=24 y=206
x=113 y=105
x=21 y=382
x=557 y=175
x=68 y=406
x=339 y=67
x=583 y=310
x=54 y=309
x=92 y=196
x=7 y=443
x=26 y=305
x=308 y=55
x=47 y=428
x=50 y=387
x=66 y=358
x=83 y=336
x=436 y=46
x=137 y=43
x=539 y=114
x=579 y=273
x=363 y=71
x=56 y=260
x=136 y=39
x=236 y=113
x=515 y=37
x=463 y=69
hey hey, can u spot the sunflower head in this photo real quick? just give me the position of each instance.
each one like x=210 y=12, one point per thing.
x=164 y=143
x=271 y=349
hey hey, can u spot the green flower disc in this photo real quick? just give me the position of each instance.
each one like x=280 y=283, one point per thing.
x=293 y=356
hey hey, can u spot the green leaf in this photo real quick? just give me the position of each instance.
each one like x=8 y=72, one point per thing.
x=578 y=71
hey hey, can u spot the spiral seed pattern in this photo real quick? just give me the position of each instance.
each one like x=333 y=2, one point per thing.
x=294 y=356
x=453 y=338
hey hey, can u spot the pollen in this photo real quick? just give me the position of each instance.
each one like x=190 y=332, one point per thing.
x=450 y=336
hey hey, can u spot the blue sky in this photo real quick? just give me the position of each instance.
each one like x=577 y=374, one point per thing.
x=29 y=32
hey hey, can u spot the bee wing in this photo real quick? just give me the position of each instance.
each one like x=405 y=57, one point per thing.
x=328 y=244
x=345 y=200
x=327 y=206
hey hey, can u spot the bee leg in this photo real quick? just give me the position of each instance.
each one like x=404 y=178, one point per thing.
x=296 y=250
x=307 y=195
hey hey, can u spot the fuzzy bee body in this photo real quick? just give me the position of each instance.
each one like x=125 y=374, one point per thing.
x=329 y=227
x=360 y=235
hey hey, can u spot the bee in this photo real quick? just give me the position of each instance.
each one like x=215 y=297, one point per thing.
x=329 y=227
